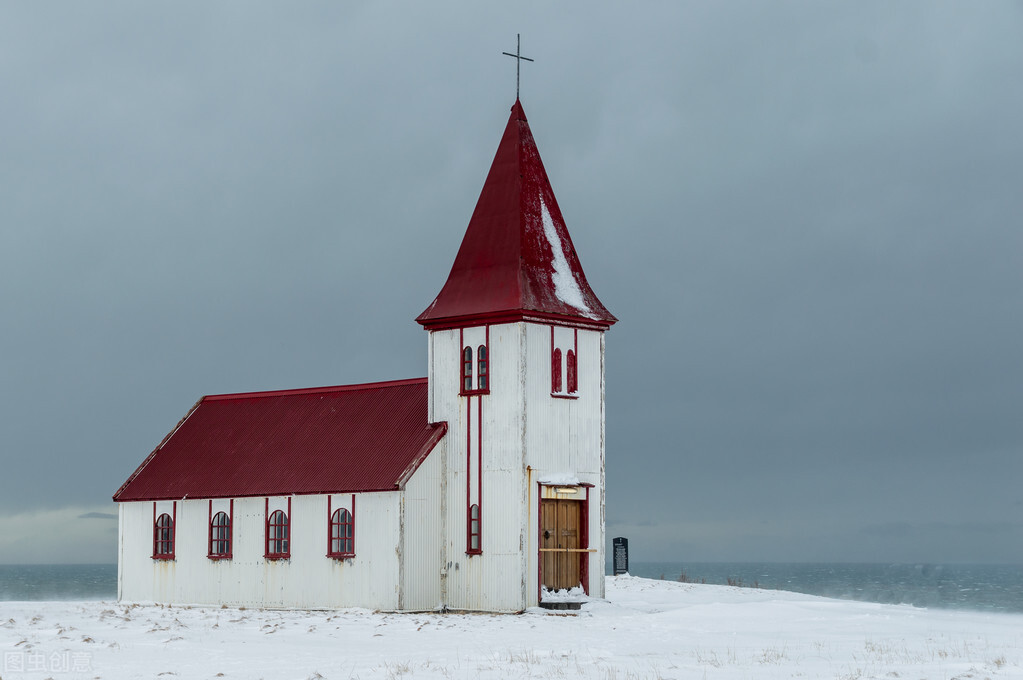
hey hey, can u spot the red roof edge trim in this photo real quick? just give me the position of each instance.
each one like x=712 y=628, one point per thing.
x=159 y=446
x=512 y=317
x=150 y=499
x=312 y=390
x=440 y=429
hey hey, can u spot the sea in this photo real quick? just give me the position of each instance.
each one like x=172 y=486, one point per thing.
x=978 y=587
x=949 y=586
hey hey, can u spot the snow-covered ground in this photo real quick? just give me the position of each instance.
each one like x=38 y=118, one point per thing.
x=645 y=629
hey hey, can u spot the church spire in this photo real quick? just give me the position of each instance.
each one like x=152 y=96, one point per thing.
x=516 y=260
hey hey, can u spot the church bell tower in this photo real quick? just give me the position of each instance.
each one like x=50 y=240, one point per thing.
x=516 y=369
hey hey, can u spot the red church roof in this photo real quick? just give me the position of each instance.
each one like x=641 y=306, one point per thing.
x=516 y=259
x=321 y=440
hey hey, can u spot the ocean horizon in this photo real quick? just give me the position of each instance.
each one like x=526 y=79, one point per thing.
x=978 y=587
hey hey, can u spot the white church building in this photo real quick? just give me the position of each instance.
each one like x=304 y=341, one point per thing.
x=476 y=488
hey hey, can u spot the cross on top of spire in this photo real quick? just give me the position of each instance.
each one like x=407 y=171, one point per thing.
x=518 y=60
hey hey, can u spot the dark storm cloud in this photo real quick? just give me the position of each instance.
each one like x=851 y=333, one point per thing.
x=806 y=217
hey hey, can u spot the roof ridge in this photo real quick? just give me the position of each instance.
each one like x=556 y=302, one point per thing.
x=315 y=390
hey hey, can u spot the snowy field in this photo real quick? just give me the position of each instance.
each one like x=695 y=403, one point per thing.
x=645 y=629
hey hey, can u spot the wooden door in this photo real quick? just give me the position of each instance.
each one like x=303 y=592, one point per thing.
x=560 y=535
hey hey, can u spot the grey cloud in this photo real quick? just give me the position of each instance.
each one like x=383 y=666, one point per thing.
x=805 y=217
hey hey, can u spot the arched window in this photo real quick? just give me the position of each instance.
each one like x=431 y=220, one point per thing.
x=277 y=544
x=482 y=381
x=573 y=374
x=220 y=536
x=342 y=533
x=467 y=369
x=556 y=371
x=474 y=529
x=163 y=538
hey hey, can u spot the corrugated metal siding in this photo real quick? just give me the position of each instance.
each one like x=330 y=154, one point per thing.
x=350 y=438
x=563 y=435
x=567 y=435
x=308 y=580
x=494 y=580
x=422 y=555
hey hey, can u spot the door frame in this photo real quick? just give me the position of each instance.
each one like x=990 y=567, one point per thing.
x=547 y=491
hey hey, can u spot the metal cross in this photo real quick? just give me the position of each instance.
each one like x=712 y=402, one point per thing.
x=518 y=60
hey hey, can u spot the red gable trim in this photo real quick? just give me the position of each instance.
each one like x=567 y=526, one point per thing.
x=440 y=430
x=153 y=453
x=314 y=390
x=513 y=316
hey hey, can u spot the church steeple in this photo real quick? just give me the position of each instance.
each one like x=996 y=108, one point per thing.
x=516 y=260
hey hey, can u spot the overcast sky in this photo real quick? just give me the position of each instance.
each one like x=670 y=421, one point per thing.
x=807 y=216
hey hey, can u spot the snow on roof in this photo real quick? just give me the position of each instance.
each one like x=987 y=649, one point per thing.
x=320 y=440
x=560 y=478
x=516 y=259
x=566 y=288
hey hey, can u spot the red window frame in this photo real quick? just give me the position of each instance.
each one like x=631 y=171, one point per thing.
x=482 y=374
x=163 y=535
x=466 y=370
x=278 y=533
x=342 y=534
x=466 y=387
x=573 y=372
x=220 y=543
x=556 y=371
x=474 y=539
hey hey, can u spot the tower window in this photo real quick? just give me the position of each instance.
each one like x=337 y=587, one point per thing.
x=474 y=529
x=573 y=372
x=482 y=378
x=556 y=371
x=163 y=538
x=342 y=534
x=220 y=536
x=467 y=369
x=277 y=544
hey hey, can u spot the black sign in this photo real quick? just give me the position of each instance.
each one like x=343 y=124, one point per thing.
x=621 y=555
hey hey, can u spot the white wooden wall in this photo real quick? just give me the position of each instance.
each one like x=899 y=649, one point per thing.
x=527 y=433
x=307 y=580
x=422 y=554
x=566 y=436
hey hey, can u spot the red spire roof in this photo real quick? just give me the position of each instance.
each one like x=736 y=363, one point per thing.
x=516 y=259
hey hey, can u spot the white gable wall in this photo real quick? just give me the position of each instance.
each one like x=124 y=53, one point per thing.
x=492 y=581
x=565 y=436
x=527 y=434
x=422 y=553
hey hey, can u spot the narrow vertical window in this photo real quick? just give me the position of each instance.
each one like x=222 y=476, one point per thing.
x=474 y=529
x=467 y=369
x=482 y=377
x=220 y=536
x=342 y=533
x=573 y=374
x=277 y=544
x=163 y=538
x=556 y=371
